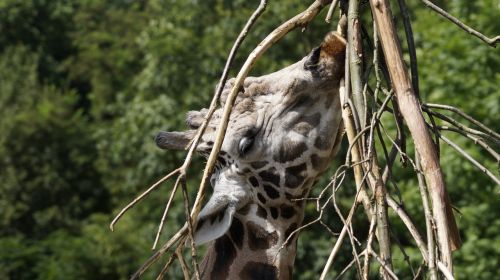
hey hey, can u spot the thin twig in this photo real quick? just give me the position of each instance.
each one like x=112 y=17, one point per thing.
x=465 y=116
x=141 y=196
x=488 y=136
x=341 y=274
x=178 y=237
x=348 y=226
x=446 y=272
x=371 y=231
x=490 y=41
x=420 y=270
x=406 y=257
x=411 y=46
x=474 y=138
x=182 y=261
x=340 y=239
x=337 y=245
x=166 y=267
x=331 y=10
x=410 y=225
x=350 y=265
x=190 y=231
x=384 y=266
x=471 y=159
x=165 y=212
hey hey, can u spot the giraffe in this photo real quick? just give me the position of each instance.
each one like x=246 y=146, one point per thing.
x=283 y=131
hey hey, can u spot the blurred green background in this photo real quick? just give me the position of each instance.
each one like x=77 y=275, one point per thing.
x=85 y=86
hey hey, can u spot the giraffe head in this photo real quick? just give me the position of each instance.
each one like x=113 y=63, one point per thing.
x=282 y=133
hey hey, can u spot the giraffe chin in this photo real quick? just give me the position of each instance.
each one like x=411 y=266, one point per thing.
x=217 y=215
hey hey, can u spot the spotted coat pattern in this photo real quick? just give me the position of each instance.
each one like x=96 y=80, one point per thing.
x=283 y=131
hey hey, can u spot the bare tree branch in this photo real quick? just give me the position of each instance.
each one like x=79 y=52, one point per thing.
x=488 y=130
x=190 y=231
x=471 y=159
x=165 y=212
x=331 y=10
x=474 y=138
x=410 y=109
x=182 y=261
x=431 y=261
x=490 y=41
x=141 y=196
x=411 y=47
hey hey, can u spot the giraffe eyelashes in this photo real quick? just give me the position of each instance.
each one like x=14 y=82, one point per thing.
x=245 y=145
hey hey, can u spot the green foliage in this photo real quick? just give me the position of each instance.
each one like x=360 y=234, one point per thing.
x=85 y=86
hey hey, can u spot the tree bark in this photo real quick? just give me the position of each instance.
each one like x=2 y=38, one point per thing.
x=447 y=232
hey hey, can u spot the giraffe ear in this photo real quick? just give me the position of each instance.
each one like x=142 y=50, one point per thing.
x=217 y=215
x=333 y=45
x=174 y=140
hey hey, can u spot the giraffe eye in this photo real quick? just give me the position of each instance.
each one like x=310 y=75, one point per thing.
x=245 y=145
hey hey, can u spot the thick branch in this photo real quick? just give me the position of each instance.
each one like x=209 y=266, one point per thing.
x=410 y=109
x=354 y=43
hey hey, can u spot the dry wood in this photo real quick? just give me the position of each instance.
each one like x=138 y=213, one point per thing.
x=448 y=236
x=431 y=262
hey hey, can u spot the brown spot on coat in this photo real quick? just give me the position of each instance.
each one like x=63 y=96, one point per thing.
x=261 y=212
x=259 y=238
x=225 y=255
x=290 y=150
x=328 y=135
x=258 y=271
x=237 y=232
x=253 y=181
x=306 y=123
x=319 y=163
x=271 y=176
x=294 y=176
x=261 y=198
x=287 y=211
x=274 y=212
x=271 y=191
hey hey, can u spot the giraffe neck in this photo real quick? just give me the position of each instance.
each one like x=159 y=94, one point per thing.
x=253 y=248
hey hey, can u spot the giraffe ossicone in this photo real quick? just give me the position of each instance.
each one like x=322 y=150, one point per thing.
x=284 y=129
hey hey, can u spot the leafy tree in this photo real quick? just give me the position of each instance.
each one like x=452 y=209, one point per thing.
x=85 y=86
